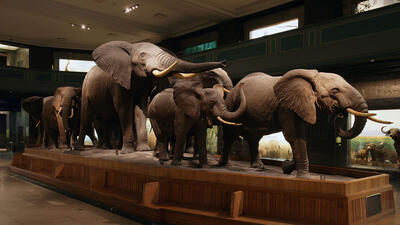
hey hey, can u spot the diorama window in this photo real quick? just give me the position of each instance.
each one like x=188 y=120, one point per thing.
x=201 y=47
x=275 y=146
x=14 y=56
x=73 y=65
x=372 y=148
x=274 y=29
x=373 y=4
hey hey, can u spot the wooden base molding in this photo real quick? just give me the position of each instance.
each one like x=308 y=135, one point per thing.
x=189 y=196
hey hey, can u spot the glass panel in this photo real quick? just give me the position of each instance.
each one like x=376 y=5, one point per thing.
x=75 y=65
x=373 y=4
x=201 y=47
x=275 y=146
x=372 y=148
x=273 y=29
x=14 y=56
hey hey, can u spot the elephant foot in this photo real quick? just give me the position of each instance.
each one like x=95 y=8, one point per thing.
x=163 y=157
x=190 y=150
x=143 y=147
x=303 y=174
x=288 y=166
x=176 y=162
x=222 y=163
x=203 y=164
x=257 y=164
x=79 y=148
x=127 y=148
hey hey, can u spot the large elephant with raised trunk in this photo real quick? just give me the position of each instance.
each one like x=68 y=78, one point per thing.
x=188 y=107
x=121 y=83
x=289 y=104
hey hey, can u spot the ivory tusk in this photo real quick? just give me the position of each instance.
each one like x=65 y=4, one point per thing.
x=185 y=75
x=59 y=111
x=360 y=114
x=72 y=113
x=37 y=124
x=379 y=121
x=158 y=73
x=227 y=122
x=226 y=90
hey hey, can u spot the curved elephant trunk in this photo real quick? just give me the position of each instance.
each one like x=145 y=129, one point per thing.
x=66 y=106
x=242 y=107
x=385 y=132
x=359 y=122
x=173 y=64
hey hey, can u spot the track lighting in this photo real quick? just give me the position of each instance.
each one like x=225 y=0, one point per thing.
x=131 y=8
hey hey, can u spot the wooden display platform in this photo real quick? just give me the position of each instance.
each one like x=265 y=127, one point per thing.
x=174 y=195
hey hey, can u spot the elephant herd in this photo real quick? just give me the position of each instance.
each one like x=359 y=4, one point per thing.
x=133 y=81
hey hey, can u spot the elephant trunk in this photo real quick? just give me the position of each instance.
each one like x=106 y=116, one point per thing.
x=66 y=106
x=359 y=122
x=242 y=107
x=183 y=66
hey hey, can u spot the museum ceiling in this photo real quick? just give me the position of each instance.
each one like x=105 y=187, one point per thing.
x=58 y=23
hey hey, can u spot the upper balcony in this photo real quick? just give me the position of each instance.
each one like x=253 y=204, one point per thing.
x=362 y=38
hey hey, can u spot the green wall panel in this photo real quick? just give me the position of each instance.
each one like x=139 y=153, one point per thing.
x=292 y=42
x=243 y=52
x=13 y=74
x=363 y=27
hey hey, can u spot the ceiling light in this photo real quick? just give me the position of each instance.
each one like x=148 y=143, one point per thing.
x=81 y=26
x=131 y=8
x=8 y=47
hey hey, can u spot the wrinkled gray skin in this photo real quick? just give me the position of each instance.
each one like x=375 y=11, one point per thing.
x=33 y=105
x=394 y=133
x=288 y=104
x=42 y=110
x=207 y=79
x=121 y=83
x=188 y=107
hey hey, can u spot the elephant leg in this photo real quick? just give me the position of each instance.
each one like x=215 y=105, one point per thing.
x=190 y=145
x=182 y=126
x=124 y=106
x=142 y=143
x=172 y=142
x=68 y=139
x=45 y=143
x=229 y=134
x=294 y=131
x=253 y=141
x=200 y=143
x=86 y=124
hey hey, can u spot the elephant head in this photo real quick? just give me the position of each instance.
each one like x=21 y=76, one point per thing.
x=303 y=91
x=122 y=60
x=392 y=132
x=67 y=99
x=33 y=105
x=198 y=102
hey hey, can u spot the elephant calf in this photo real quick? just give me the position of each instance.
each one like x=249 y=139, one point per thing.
x=188 y=107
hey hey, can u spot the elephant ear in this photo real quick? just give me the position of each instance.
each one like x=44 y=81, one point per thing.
x=187 y=96
x=296 y=91
x=114 y=58
x=33 y=105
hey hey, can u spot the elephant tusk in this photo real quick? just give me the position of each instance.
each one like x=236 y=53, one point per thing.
x=59 y=111
x=185 y=75
x=158 y=73
x=72 y=113
x=226 y=90
x=379 y=121
x=37 y=124
x=360 y=114
x=227 y=122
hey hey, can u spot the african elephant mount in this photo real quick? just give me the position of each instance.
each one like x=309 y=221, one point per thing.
x=121 y=83
x=289 y=104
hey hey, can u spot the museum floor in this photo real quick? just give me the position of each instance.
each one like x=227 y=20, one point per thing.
x=24 y=203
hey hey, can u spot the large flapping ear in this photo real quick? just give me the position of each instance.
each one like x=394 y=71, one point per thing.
x=33 y=105
x=296 y=91
x=188 y=96
x=114 y=58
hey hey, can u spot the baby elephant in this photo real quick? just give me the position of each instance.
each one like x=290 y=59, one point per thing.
x=188 y=108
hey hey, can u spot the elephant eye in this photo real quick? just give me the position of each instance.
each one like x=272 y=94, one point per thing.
x=334 y=91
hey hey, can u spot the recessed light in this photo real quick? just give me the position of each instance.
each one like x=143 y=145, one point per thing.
x=131 y=8
x=81 y=26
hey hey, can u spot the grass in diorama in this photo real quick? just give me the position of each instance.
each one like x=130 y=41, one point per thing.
x=275 y=149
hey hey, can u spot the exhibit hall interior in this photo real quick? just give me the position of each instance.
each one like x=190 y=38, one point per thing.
x=200 y=112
